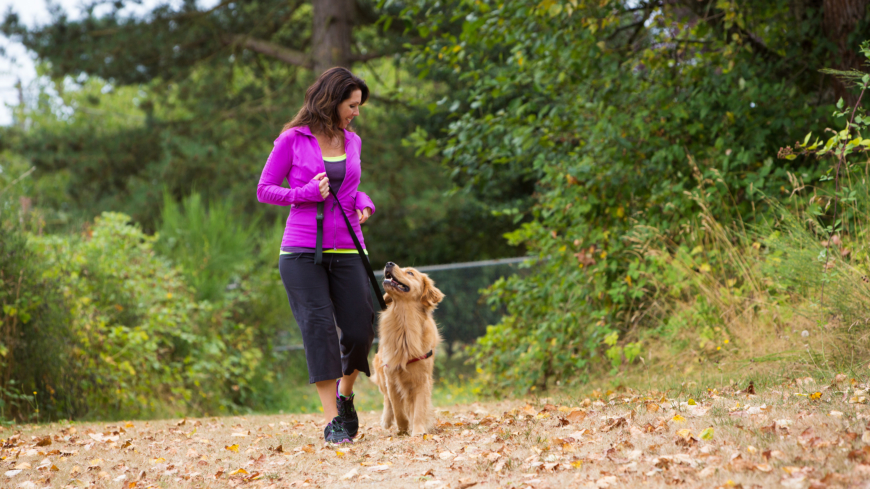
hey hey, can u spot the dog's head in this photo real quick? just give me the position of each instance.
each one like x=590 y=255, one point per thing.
x=408 y=284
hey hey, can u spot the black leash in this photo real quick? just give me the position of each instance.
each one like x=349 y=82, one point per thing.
x=318 y=255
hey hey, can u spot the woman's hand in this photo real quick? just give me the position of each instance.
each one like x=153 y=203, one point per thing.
x=364 y=214
x=323 y=185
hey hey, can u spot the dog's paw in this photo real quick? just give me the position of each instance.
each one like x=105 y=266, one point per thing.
x=402 y=433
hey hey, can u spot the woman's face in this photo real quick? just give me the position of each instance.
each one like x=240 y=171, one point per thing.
x=349 y=109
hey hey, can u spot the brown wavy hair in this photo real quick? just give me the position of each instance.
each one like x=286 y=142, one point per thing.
x=320 y=110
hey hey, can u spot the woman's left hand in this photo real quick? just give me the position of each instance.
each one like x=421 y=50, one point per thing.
x=364 y=214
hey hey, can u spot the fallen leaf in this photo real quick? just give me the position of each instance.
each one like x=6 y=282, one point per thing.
x=706 y=434
x=678 y=419
x=684 y=433
x=529 y=410
x=606 y=481
x=350 y=475
x=613 y=424
x=861 y=455
x=379 y=468
x=237 y=472
x=576 y=416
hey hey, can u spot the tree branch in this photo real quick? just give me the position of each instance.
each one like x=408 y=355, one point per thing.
x=289 y=56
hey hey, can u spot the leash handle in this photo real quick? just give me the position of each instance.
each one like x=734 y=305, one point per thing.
x=318 y=252
x=365 y=259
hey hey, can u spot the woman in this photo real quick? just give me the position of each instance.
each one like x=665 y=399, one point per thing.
x=315 y=153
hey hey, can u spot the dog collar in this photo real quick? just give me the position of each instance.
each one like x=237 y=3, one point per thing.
x=428 y=355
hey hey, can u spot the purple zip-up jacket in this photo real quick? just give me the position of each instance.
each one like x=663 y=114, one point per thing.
x=296 y=158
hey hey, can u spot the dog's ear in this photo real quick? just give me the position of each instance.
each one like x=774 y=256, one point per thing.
x=431 y=295
x=388 y=298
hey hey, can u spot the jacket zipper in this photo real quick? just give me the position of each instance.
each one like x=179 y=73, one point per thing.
x=335 y=201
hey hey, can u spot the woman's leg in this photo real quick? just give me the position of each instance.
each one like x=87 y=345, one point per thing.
x=307 y=288
x=354 y=315
x=345 y=388
x=326 y=391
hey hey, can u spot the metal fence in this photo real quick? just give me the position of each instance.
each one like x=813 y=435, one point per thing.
x=463 y=315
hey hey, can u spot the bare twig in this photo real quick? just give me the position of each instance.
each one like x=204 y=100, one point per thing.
x=22 y=177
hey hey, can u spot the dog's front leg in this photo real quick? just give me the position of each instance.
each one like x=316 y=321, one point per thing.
x=399 y=407
x=387 y=416
x=421 y=410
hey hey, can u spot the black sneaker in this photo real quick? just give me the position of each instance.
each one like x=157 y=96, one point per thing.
x=335 y=432
x=346 y=413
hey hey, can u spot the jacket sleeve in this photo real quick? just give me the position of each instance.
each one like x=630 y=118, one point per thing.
x=363 y=201
x=270 y=191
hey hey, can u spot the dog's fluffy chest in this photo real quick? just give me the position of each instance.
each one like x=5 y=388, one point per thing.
x=405 y=334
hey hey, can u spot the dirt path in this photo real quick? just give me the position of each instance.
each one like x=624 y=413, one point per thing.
x=798 y=435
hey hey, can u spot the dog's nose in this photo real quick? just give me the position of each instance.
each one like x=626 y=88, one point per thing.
x=390 y=264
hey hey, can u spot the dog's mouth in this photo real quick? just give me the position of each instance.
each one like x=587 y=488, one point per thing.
x=391 y=282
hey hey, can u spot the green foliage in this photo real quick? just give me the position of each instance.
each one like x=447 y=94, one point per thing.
x=208 y=244
x=137 y=329
x=600 y=104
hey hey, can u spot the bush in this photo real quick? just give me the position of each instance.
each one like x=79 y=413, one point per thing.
x=141 y=343
x=35 y=378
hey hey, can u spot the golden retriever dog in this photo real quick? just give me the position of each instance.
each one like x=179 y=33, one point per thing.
x=408 y=338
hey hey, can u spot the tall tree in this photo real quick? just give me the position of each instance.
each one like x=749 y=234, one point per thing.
x=216 y=86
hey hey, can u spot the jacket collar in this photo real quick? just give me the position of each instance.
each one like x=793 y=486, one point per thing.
x=307 y=131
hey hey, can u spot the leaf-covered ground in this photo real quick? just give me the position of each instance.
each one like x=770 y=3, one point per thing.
x=798 y=435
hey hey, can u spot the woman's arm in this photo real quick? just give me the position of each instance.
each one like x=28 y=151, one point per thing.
x=270 y=191
x=363 y=201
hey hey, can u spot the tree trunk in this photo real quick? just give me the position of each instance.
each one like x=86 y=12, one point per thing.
x=841 y=17
x=331 y=34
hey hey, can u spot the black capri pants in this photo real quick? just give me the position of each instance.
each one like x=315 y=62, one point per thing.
x=334 y=293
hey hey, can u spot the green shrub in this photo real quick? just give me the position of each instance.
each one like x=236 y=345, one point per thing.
x=208 y=243
x=141 y=343
x=36 y=381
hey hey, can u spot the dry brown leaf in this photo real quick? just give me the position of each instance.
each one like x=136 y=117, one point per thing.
x=576 y=416
x=861 y=455
x=613 y=424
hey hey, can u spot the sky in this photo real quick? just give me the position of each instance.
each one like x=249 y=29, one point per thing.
x=18 y=63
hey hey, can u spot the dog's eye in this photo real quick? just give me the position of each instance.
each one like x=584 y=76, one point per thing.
x=411 y=273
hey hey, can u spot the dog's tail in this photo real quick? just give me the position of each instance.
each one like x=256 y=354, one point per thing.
x=376 y=367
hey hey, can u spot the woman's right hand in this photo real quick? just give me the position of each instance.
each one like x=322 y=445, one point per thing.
x=323 y=185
